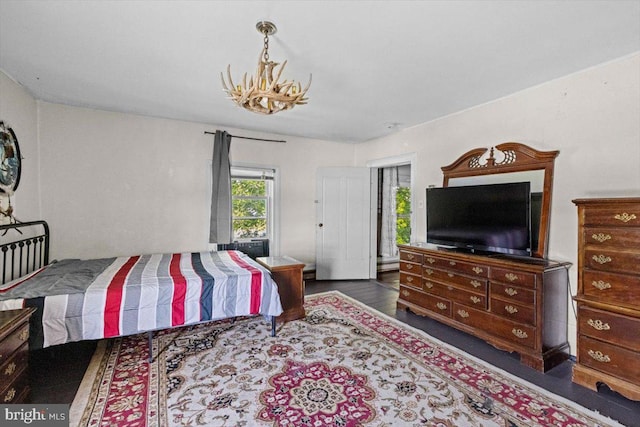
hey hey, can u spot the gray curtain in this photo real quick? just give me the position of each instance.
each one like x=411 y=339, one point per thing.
x=220 y=228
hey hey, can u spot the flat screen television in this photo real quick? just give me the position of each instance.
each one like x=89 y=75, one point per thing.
x=481 y=218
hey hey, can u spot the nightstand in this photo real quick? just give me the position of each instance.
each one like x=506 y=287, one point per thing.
x=287 y=273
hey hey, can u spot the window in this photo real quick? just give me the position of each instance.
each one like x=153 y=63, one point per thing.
x=252 y=198
x=403 y=215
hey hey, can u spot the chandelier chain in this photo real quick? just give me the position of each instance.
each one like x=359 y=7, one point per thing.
x=266 y=47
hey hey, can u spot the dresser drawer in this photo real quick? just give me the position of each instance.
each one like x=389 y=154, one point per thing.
x=13 y=341
x=519 y=278
x=611 y=288
x=476 y=270
x=477 y=284
x=456 y=294
x=16 y=391
x=608 y=358
x=623 y=261
x=512 y=331
x=610 y=327
x=410 y=267
x=432 y=261
x=623 y=216
x=411 y=280
x=620 y=237
x=14 y=366
x=411 y=256
x=428 y=301
x=513 y=293
x=513 y=311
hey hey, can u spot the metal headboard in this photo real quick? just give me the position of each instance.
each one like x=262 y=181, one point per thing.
x=24 y=247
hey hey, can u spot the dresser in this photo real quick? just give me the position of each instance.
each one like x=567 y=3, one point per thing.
x=287 y=273
x=14 y=355
x=608 y=297
x=517 y=305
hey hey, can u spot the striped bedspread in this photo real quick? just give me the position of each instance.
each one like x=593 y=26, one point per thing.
x=93 y=299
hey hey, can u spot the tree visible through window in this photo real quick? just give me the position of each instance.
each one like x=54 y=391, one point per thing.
x=251 y=197
x=403 y=215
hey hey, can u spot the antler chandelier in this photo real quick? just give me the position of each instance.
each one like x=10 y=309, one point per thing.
x=265 y=93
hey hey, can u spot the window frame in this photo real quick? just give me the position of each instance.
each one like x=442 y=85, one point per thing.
x=255 y=172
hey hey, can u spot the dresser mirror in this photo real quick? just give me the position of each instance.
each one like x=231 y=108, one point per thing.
x=511 y=162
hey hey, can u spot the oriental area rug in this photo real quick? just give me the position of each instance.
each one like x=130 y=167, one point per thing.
x=344 y=365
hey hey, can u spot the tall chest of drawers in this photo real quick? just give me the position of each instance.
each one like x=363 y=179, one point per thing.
x=14 y=355
x=515 y=305
x=608 y=297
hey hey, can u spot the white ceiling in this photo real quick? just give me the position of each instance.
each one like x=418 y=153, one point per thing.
x=378 y=66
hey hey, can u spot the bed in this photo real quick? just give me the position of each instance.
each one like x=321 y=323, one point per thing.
x=93 y=299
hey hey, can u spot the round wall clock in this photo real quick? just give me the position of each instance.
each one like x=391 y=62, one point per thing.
x=10 y=160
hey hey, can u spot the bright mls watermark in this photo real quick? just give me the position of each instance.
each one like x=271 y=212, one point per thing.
x=34 y=415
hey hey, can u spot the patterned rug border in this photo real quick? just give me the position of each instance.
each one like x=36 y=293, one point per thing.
x=90 y=382
x=521 y=382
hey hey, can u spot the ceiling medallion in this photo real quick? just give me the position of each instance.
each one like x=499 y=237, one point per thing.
x=264 y=93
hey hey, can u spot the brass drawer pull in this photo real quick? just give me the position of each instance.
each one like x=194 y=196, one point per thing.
x=601 y=259
x=519 y=333
x=452 y=263
x=409 y=266
x=510 y=309
x=511 y=292
x=406 y=293
x=475 y=283
x=597 y=355
x=601 y=285
x=477 y=270
x=475 y=299
x=24 y=335
x=463 y=313
x=441 y=306
x=410 y=256
x=428 y=271
x=11 y=368
x=450 y=274
x=511 y=277
x=430 y=260
x=10 y=395
x=409 y=279
x=598 y=324
x=601 y=237
x=624 y=217
x=428 y=285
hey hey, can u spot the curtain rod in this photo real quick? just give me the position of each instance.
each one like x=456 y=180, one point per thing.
x=247 y=137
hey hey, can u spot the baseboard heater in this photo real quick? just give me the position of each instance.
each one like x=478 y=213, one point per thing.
x=254 y=248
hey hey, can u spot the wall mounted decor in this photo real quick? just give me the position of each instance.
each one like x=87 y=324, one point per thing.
x=10 y=160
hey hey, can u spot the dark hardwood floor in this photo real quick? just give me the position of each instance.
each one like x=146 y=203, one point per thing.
x=56 y=372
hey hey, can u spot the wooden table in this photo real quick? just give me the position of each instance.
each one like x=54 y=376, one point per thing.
x=287 y=273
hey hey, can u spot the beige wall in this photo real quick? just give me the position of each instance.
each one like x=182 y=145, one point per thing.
x=120 y=184
x=592 y=117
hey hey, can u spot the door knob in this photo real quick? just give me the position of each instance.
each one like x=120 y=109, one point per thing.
x=320 y=225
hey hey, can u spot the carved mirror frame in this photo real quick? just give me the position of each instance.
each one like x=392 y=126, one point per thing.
x=512 y=157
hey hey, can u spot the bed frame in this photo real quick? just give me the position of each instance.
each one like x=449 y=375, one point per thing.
x=25 y=252
x=29 y=250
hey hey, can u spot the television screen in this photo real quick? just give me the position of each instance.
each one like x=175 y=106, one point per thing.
x=483 y=218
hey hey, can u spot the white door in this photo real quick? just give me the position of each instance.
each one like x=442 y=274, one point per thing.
x=342 y=223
